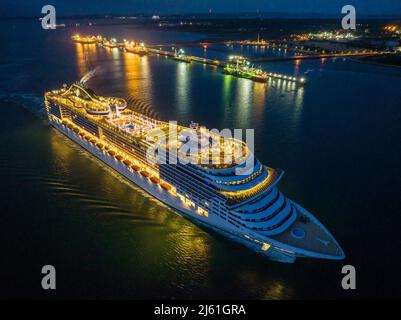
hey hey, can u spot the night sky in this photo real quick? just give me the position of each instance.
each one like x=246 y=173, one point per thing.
x=289 y=7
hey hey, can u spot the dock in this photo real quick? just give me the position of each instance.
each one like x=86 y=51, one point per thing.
x=157 y=50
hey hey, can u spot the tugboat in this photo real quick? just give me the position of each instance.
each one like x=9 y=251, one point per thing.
x=136 y=48
x=240 y=60
x=112 y=43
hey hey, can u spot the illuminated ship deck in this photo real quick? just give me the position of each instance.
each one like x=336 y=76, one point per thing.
x=214 y=179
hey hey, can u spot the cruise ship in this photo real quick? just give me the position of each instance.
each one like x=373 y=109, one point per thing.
x=246 y=72
x=238 y=201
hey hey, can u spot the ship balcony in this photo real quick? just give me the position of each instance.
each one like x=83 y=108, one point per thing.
x=234 y=178
x=253 y=210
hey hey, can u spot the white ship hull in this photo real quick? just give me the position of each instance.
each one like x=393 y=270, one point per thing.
x=246 y=237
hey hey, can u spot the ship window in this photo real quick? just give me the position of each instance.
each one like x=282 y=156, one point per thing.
x=203 y=212
x=190 y=203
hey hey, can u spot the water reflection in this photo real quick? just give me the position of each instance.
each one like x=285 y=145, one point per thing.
x=86 y=54
x=296 y=67
x=290 y=96
x=247 y=100
x=116 y=64
x=243 y=103
x=138 y=76
x=277 y=291
x=157 y=239
x=190 y=244
x=226 y=97
x=182 y=87
x=259 y=99
x=299 y=98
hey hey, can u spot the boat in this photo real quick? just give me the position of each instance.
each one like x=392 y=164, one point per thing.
x=245 y=206
x=244 y=71
x=86 y=39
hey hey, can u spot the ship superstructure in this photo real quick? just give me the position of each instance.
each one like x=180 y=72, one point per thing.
x=242 y=203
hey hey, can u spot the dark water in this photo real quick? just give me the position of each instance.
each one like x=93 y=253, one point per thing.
x=337 y=138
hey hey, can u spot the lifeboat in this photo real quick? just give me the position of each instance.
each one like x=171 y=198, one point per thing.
x=69 y=125
x=93 y=140
x=106 y=148
x=135 y=167
x=155 y=179
x=99 y=145
x=145 y=174
x=111 y=152
x=76 y=130
x=82 y=134
x=87 y=138
x=119 y=157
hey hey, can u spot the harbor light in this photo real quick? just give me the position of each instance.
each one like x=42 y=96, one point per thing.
x=302 y=80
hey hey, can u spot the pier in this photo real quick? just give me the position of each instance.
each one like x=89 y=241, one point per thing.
x=141 y=49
